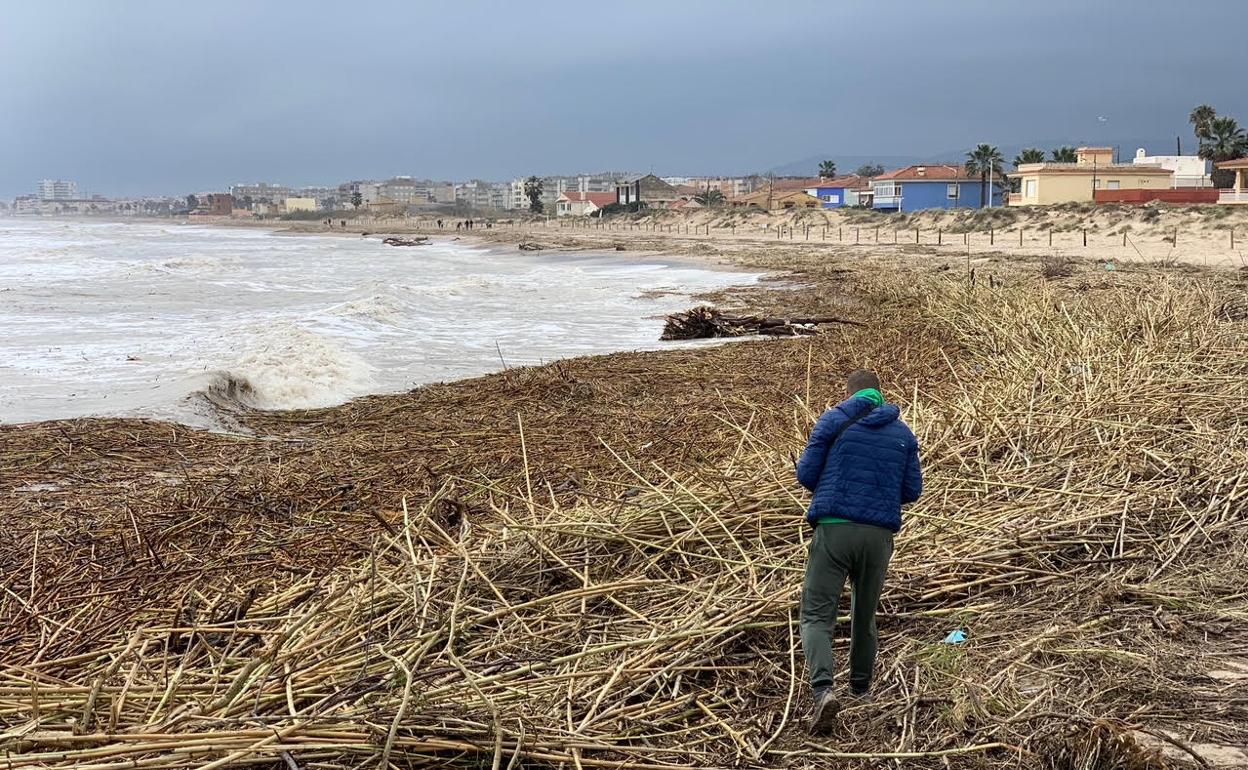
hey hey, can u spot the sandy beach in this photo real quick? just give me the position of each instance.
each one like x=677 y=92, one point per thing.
x=1133 y=236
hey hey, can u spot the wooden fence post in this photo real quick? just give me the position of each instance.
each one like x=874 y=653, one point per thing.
x=857 y=232
x=992 y=236
x=916 y=235
x=1020 y=236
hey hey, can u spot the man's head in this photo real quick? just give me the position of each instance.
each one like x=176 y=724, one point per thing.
x=861 y=379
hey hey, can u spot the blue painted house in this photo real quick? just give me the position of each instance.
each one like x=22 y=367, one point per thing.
x=839 y=191
x=933 y=187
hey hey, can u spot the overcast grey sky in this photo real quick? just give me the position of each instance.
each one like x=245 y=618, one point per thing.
x=132 y=97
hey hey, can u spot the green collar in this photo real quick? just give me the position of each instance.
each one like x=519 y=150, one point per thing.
x=872 y=395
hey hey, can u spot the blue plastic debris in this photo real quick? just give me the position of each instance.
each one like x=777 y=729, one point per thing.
x=957 y=636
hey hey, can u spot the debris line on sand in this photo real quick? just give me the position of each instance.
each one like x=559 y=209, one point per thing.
x=705 y=322
x=394 y=240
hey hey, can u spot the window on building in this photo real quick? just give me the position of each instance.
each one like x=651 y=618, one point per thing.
x=1030 y=189
x=1113 y=184
x=951 y=192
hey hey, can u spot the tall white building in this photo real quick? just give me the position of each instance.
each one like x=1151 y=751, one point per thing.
x=554 y=186
x=1189 y=170
x=56 y=190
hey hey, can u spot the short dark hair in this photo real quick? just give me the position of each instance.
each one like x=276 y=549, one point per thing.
x=861 y=379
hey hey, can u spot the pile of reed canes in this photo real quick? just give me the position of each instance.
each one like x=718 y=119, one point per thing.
x=1084 y=524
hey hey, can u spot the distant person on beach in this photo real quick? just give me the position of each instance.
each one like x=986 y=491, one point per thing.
x=862 y=464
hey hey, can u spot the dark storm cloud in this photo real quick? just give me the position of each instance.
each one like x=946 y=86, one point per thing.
x=133 y=97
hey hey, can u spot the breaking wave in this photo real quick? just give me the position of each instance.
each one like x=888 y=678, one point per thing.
x=379 y=308
x=289 y=367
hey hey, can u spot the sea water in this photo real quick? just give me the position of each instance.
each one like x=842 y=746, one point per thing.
x=145 y=319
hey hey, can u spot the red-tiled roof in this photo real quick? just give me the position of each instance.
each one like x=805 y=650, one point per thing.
x=848 y=181
x=938 y=172
x=599 y=199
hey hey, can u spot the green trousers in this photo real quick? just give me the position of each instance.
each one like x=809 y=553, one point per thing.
x=859 y=553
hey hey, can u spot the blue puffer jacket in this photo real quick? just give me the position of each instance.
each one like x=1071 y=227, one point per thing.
x=868 y=473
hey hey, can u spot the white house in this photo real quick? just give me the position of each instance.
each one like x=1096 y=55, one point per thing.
x=1187 y=170
x=582 y=204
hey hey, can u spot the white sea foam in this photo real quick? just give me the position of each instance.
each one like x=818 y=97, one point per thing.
x=289 y=367
x=136 y=318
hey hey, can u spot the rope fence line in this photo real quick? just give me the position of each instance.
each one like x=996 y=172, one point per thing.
x=1228 y=240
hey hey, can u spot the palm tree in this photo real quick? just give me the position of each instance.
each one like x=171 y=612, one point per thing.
x=1225 y=140
x=1064 y=155
x=1201 y=118
x=827 y=168
x=356 y=199
x=984 y=160
x=710 y=197
x=533 y=191
x=1029 y=155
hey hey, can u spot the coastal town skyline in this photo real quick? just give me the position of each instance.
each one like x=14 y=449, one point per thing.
x=203 y=100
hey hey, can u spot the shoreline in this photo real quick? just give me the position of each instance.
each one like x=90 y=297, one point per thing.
x=623 y=325
x=791 y=275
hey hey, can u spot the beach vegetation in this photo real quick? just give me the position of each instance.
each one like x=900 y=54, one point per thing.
x=870 y=170
x=356 y=199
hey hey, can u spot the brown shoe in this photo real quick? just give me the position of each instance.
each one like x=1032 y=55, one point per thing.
x=824 y=714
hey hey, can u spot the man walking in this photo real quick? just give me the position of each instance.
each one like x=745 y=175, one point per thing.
x=862 y=464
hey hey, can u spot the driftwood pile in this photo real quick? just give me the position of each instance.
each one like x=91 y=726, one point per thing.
x=706 y=322
x=420 y=240
x=530 y=246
